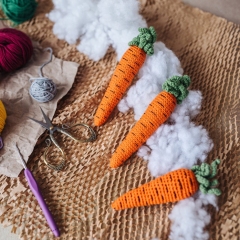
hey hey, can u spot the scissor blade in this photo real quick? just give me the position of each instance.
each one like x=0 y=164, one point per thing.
x=41 y=123
x=47 y=120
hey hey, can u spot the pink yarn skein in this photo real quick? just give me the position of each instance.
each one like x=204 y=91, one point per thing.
x=15 y=49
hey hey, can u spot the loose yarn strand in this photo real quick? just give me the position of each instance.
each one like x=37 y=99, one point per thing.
x=50 y=59
x=43 y=89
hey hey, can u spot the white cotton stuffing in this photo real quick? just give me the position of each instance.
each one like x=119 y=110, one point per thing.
x=189 y=217
x=189 y=108
x=95 y=42
x=72 y=18
x=122 y=20
x=97 y=24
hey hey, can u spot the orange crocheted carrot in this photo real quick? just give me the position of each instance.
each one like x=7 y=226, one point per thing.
x=159 y=110
x=172 y=187
x=124 y=73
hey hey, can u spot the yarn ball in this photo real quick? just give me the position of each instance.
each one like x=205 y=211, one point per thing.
x=43 y=89
x=3 y=116
x=19 y=11
x=15 y=49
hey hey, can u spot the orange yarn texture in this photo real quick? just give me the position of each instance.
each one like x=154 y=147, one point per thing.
x=157 y=113
x=171 y=187
x=123 y=75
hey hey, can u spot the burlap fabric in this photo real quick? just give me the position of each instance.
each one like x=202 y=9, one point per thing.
x=80 y=196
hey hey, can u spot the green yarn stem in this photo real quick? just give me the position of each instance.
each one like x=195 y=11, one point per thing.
x=205 y=169
x=204 y=175
x=145 y=40
x=203 y=189
x=203 y=181
x=177 y=85
x=214 y=165
x=214 y=183
x=215 y=191
x=195 y=168
x=18 y=11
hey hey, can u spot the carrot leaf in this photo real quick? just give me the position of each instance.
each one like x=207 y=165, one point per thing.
x=214 y=168
x=215 y=191
x=203 y=189
x=204 y=175
x=214 y=183
x=205 y=182
x=205 y=169
x=177 y=85
x=145 y=40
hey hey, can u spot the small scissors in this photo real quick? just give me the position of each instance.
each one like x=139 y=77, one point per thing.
x=51 y=128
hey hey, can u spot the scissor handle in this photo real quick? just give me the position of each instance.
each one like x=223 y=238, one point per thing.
x=54 y=141
x=90 y=139
x=52 y=166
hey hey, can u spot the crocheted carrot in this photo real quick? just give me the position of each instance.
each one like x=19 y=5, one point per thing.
x=172 y=187
x=159 y=110
x=125 y=71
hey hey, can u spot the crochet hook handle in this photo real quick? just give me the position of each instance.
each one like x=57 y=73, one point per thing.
x=35 y=189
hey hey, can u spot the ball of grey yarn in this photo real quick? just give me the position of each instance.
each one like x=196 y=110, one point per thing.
x=43 y=89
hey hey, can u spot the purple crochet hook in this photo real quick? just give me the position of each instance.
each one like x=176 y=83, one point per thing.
x=34 y=187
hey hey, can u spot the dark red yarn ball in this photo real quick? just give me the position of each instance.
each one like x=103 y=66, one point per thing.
x=15 y=49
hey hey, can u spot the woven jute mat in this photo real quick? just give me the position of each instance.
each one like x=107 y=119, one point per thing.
x=80 y=196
